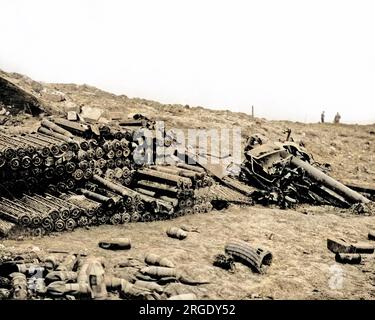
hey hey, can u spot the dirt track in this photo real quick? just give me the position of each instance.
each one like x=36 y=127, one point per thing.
x=302 y=267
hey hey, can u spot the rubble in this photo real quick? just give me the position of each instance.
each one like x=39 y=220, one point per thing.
x=177 y=233
x=72 y=116
x=155 y=260
x=224 y=262
x=75 y=276
x=53 y=95
x=256 y=258
x=169 y=275
x=285 y=174
x=350 y=258
x=341 y=246
x=115 y=244
x=91 y=114
x=16 y=100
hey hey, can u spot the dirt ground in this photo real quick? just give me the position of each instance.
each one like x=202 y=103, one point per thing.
x=302 y=268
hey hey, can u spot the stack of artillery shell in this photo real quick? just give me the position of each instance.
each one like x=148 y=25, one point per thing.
x=45 y=213
x=172 y=188
x=72 y=174
x=62 y=154
x=105 y=152
x=27 y=160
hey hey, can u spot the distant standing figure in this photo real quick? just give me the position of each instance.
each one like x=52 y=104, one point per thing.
x=337 y=118
x=322 y=117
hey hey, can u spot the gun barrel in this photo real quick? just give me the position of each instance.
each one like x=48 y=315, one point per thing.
x=329 y=182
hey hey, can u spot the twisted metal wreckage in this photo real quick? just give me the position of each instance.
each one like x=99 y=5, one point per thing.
x=286 y=174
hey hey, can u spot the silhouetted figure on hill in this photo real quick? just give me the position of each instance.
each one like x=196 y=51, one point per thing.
x=337 y=118
x=322 y=117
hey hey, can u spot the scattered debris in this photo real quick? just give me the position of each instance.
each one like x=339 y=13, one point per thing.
x=341 y=246
x=115 y=244
x=67 y=276
x=255 y=258
x=169 y=275
x=286 y=175
x=53 y=95
x=91 y=114
x=148 y=285
x=371 y=235
x=72 y=116
x=155 y=260
x=129 y=263
x=224 y=262
x=19 y=286
x=177 y=233
x=4 y=294
x=350 y=258
x=16 y=100
x=41 y=275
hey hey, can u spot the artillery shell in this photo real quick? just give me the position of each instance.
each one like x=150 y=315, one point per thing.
x=159 y=272
x=51 y=262
x=4 y=294
x=92 y=272
x=363 y=248
x=68 y=263
x=114 y=283
x=4 y=282
x=60 y=288
x=177 y=233
x=155 y=260
x=61 y=276
x=19 y=285
x=128 y=290
x=149 y=285
x=350 y=258
x=115 y=244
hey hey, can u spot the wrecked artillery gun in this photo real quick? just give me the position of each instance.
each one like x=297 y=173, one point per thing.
x=285 y=174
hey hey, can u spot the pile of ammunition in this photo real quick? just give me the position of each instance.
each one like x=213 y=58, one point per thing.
x=71 y=174
x=174 y=189
x=59 y=159
x=70 y=276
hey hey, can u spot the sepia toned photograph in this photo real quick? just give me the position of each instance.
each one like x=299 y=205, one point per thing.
x=205 y=151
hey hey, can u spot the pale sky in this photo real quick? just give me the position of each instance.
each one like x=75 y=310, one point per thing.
x=290 y=59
